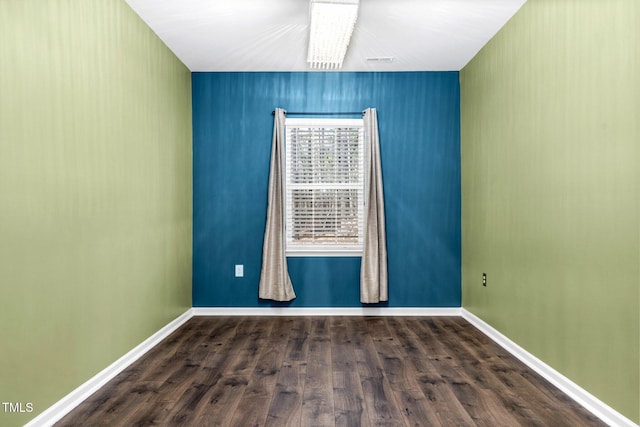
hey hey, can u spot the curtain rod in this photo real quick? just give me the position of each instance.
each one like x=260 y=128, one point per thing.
x=323 y=113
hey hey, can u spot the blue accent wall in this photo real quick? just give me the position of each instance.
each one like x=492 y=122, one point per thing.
x=419 y=123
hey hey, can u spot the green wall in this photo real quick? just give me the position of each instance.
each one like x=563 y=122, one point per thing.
x=95 y=193
x=550 y=190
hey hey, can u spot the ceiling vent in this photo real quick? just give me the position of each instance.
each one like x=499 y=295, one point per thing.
x=381 y=60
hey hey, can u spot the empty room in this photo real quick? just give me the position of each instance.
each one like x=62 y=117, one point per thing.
x=320 y=212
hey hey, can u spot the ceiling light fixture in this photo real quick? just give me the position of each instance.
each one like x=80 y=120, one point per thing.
x=332 y=23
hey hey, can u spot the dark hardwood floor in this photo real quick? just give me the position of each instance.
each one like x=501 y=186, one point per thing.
x=326 y=371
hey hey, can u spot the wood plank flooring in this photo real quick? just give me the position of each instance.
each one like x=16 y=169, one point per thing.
x=328 y=371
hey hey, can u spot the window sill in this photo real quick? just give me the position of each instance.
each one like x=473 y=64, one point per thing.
x=296 y=254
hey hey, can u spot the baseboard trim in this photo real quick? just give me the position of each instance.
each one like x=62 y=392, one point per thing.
x=577 y=393
x=65 y=405
x=326 y=311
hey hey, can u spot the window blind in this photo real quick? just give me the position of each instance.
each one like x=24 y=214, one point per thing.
x=324 y=188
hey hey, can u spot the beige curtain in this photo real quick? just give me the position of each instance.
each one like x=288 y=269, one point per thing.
x=275 y=283
x=373 y=273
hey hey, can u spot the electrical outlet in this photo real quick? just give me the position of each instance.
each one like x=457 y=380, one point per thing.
x=239 y=270
x=484 y=279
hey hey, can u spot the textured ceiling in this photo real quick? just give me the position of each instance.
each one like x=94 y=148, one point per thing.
x=272 y=35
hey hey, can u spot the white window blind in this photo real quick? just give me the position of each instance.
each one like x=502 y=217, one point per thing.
x=324 y=188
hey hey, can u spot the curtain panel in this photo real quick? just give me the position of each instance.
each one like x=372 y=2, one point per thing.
x=373 y=271
x=275 y=283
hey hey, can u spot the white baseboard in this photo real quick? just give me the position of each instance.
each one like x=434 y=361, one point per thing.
x=577 y=393
x=65 y=405
x=326 y=311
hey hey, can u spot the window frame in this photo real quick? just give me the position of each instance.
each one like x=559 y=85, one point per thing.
x=324 y=250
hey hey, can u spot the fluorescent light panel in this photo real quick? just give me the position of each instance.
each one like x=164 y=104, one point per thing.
x=331 y=27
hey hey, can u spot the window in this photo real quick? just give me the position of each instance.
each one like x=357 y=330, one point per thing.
x=324 y=188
